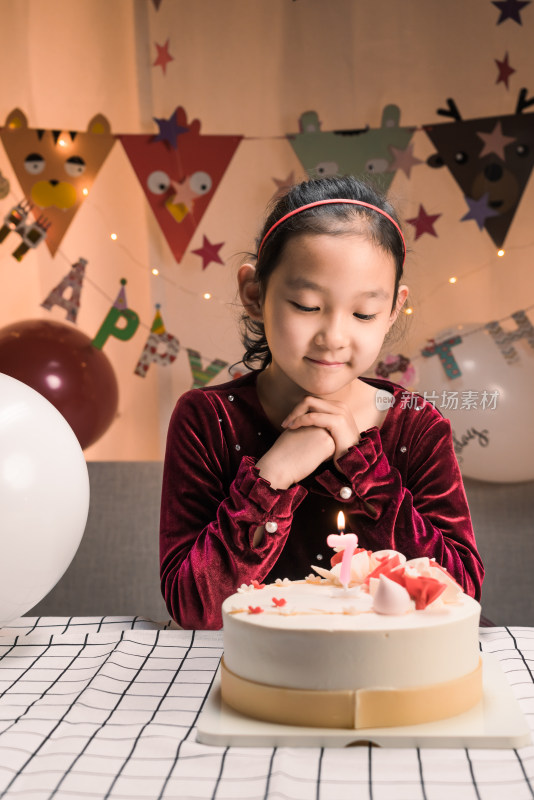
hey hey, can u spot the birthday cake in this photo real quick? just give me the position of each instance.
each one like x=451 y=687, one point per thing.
x=376 y=641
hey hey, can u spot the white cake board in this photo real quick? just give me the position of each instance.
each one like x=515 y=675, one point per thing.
x=495 y=722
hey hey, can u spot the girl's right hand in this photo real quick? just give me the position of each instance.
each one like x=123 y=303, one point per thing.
x=295 y=455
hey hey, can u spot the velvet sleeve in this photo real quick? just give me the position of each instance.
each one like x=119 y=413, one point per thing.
x=209 y=517
x=418 y=507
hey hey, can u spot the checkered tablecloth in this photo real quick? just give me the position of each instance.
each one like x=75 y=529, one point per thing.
x=107 y=708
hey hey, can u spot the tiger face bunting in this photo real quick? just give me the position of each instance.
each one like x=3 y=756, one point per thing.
x=56 y=169
x=490 y=159
x=180 y=170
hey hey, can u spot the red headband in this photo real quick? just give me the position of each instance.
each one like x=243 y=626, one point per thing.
x=329 y=202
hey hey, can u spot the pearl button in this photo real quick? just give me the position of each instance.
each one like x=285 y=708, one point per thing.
x=319 y=557
x=403 y=448
x=271 y=527
x=231 y=398
x=345 y=492
x=238 y=447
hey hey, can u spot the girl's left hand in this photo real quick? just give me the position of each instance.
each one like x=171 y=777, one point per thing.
x=331 y=415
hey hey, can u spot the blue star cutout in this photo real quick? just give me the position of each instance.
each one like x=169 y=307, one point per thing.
x=479 y=210
x=510 y=9
x=169 y=130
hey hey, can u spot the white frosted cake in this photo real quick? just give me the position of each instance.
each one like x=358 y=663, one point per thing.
x=376 y=641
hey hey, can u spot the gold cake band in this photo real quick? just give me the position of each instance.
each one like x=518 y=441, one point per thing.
x=357 y=708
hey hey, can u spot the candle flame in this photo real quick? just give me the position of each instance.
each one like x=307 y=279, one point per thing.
x=341 y=521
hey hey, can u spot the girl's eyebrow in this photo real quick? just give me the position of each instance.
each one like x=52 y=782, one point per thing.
x=381 y=294
x=300 y=282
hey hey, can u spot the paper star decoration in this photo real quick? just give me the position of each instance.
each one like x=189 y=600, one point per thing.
x=282 y=185
x=495 y=142
x=403 y=159
x=510 y=9
x=479 y=210
x=505 y=70
x=424 y=223
x=163 y=56
x=169 y=130
x=209 y=252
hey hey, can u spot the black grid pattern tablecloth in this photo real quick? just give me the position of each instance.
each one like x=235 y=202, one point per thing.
x=107 y=707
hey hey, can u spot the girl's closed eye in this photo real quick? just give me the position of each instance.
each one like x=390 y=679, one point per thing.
x=364 y=317
x=301 y=307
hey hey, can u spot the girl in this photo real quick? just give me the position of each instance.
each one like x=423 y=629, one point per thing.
x=256 y=469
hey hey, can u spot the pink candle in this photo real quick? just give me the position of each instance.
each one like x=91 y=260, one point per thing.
x=347 y=542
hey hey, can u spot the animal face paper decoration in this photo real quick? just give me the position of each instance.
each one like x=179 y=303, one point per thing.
x=179 y=170
x=56 y=169
x=375 y=153
x=491 y=160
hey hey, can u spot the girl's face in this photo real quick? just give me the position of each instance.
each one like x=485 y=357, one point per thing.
x=326 y=311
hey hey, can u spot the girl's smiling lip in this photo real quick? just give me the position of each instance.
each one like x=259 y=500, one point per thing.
x=324 y=363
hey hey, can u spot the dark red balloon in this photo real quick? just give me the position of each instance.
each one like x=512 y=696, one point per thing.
x=59 y=362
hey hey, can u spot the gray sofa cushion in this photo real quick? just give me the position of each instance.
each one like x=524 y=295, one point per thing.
x=116 y=568
x=503 y=519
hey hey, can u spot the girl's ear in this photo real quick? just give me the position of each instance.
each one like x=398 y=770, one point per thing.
x=402 y=295
x=249 y=292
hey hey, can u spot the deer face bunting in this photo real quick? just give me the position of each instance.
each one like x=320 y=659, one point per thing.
x=491 y=160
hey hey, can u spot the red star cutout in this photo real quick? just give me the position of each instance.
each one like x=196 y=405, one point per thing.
x=209 y=252
x=505 y=70
x=424 y=223
x=163 y=56
x=282 y=185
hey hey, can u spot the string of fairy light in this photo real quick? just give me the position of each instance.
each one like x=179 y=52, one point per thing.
x=155 y=271
x=408 y=310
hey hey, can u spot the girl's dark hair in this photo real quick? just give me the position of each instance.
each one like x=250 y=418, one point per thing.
x=333 y=219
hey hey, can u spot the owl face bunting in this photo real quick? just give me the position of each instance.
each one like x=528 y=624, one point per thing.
x=180 y=171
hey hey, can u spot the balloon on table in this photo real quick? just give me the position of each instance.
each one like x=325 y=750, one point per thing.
x=59 y=362
x=44 y=497
x=493 y=433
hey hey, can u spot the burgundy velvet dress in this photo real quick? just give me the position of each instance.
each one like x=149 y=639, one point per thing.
x=400 y=488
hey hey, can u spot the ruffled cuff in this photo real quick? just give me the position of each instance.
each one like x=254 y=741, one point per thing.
x=280 y=503
x=355 y=467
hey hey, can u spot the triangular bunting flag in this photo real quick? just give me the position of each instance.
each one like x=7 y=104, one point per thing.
x=55 y=169
x=375 y=153
x=179 y=170
x=490 y=159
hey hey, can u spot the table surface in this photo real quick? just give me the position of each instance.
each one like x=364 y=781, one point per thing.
x=107 y=707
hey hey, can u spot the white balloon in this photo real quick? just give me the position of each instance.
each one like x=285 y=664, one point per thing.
x=492 y=444
x=44 y=497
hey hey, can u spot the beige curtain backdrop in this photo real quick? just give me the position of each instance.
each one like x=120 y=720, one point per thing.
x=251 y=67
